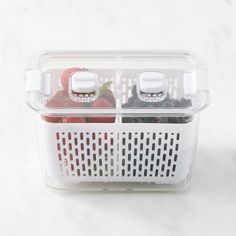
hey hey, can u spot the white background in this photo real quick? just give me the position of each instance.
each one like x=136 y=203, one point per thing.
x=28 y=207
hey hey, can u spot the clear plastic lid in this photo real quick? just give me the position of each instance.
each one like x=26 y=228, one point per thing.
x=84 y=83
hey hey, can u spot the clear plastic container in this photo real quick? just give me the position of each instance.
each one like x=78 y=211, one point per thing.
x=117 y=120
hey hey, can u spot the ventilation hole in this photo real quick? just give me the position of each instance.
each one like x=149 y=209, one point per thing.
x=100 y=162
x=123 y=151
x=112 y=172
x=159 y=141
x=106 y=167
x=156 y=173
x=106 y=146
x=77 y=162
x=172 y=175
x=158 y=162
x=112 y=141
x=135 y=151
x=154 y=136
x=170 y=152
x=123 y=172
x=164 y=157
x=130 y=136
x=72 y=167
x=178 y=136
x=71 y=157
x=140 y=167
x=146 y=162
x=172 y=141
x=70 y=146
x=162 y=167
x=94 y=146
x=129 y=167
x=145 y=172
x=76 y=141
x=105 y=135
x=82 y=146
x=153 y=146
x=99 y=141
x=59 y=157
x=152 y=157
x=58 y=147
x=166 y=136
x=134 y=173
x=81 y=136
x=99 y=151
x=69 y=136
x=135 y=162
x=87 y=141
x=147 y=152
x=100 y=172
x=147 y=141
x=89 y=162
x=123 y=141
x=151 y=167
x=93 y=136
x=64 y=151
x=135 y=141
x=141 y=157
x=162 y=176
x=175 y=157
x=141 y=146
x=165 y=147
x=169 y=162
x=176 y=147
x=141 y=136
x=95 y=167
x=57 y=136
x=159 y=152
x=173 y=168
x=78 y=172
x=63 y=133
x=123 y=162
x=76 y=152
x=82 y=157
x=94 y=157
x=89 y=172
x=129 y=146
x=129 y=156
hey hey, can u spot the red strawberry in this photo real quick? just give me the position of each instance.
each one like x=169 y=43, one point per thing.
x=66 y=75
x=108 y=95
x=51 y=119
x=101 y=103
x=60 y=100
x=73 y=120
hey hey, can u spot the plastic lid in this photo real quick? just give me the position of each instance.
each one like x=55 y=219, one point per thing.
x=85 y=83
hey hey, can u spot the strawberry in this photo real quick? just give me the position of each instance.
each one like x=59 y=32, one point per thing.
x=51 y=119
x=101 y=103
x=66 y=75
x=73 y=120
x=59 y=100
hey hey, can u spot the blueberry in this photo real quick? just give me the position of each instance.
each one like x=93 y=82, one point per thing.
x=134 y=91
x=176 y=103
x=186 y=102
x=126 y=105
x=131 y=100
x=139 y=103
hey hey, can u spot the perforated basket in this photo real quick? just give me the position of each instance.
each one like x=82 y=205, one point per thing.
x=119 y=155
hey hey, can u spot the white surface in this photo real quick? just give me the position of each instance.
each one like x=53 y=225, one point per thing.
x=28 y=207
